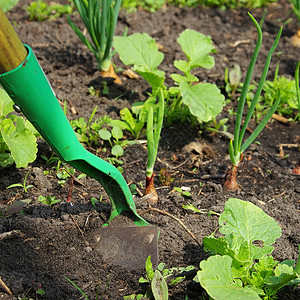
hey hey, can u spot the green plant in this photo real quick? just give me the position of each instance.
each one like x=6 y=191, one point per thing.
x=296 y=9
x=100 y=18
x=48 y=200
x=233 y=4
x=130 y=121
x=7 y=5
x=23 y=185
x=84 y=295
x=232 y=79
x=203 y=100
x=288 y=93
x=158 y=280
x=40 y=10
x=297 y=87
x=16 y=206
x=236 y=148
x=241 y=265
x=148 y=5
x=17 y=136
x=184 y=192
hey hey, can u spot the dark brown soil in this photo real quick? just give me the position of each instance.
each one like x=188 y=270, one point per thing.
x=51 y=245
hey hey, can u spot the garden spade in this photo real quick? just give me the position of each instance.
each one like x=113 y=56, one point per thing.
x=25 y=82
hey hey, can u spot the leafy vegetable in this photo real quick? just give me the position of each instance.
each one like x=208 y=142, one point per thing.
x=7 y=5
x=243 y=267
x=40 y=10
x=204 y=101
x=17 y=136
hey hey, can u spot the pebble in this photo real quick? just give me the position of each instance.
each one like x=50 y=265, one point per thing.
x=65 y=217
x=88 y=249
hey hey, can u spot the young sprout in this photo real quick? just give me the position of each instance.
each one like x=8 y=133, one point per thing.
x=100 y=18
x=236 y=146
x=153 y=136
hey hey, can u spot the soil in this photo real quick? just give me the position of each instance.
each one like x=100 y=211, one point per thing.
x=53 y=242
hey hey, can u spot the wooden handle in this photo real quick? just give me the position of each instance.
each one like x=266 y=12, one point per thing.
x=12 y=51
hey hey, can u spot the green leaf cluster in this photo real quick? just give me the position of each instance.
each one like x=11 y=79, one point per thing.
x=289 y=99
x=7 y=5
x=203 y=100
x=242 y=266
x=17 y=136
x=100 y=18
x=41 y=11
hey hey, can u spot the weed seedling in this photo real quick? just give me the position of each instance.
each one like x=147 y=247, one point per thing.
x=23 y=185
x=40 y=10
x=48 y=200
x=236 y=148
x=100 y=18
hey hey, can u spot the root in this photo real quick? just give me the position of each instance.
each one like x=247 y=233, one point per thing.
x=173 y=217
x=110 y=73
x=296 y=170
x=150 y=190
x=231 y=184
x=8 y=291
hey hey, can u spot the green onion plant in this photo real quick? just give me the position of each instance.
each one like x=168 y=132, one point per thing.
x=236 y=146
x=100 y=18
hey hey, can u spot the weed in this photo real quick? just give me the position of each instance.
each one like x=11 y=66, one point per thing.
x=23 y=185
x=48 y=200
x=41 y=11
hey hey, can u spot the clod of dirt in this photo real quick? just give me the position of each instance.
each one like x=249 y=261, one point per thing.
x=296 y=39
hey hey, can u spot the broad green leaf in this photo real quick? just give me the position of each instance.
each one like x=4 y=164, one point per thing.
x=159 y=287
x=244 y=219
x=216 y=278
x=138 y=49
x=6 y=160
x=117 y=150
x=197 y=47
x=20 y=141
x=117 y=132
x=155 y=78
x=104 y=134
x=204 y=100
x=6 y=104
x=6 y=5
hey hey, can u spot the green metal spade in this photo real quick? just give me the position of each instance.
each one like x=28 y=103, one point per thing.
x=25 y=82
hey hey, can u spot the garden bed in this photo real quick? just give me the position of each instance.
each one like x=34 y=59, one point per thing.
x=52 y=241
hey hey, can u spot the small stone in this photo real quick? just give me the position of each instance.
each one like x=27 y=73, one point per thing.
x=88 y=249
x=65 y=217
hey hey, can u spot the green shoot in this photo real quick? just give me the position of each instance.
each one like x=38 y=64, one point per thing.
x=100 y=18
x=48 y=200
x=236 y=146
x=23 y=185
x=297 y=86
x=296 y=9
x=40 y=10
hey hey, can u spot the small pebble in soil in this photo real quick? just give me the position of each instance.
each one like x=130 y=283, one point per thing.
x=65 y=217
x=88 y=249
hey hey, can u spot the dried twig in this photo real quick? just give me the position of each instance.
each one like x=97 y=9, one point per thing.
x=173 y=217
x=281 y=150
x=5 y=287
x=82 y=234
x=10 y=235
